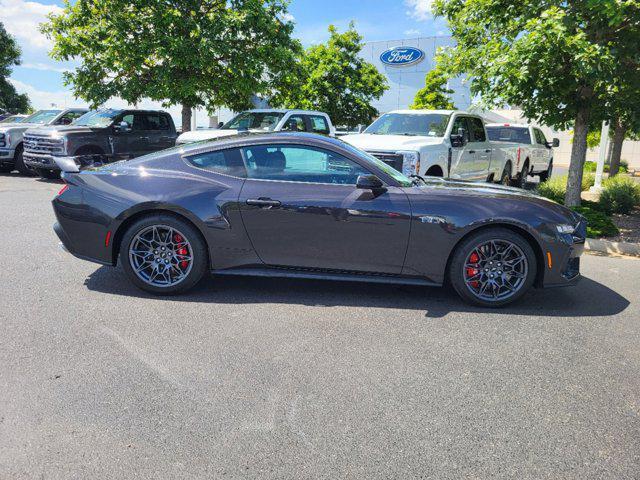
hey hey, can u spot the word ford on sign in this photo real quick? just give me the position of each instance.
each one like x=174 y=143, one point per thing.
x=400 y=56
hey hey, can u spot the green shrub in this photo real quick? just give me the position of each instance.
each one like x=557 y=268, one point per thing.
x=598 y=223
x=619 y=195
x=556 y=187
x=591 y=167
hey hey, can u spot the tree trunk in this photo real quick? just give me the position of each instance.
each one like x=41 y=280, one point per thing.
x=619 y=132
x=186 y=118
x=578 y=155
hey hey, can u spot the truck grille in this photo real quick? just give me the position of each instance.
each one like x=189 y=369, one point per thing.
x=394 y=160
x=3 y=141
x=38 y=144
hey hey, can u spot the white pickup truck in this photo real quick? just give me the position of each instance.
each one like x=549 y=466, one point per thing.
x=265 y=120
x=535 y=153
x=441 y=143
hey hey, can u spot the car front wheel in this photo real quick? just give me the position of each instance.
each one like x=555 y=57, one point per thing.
x=493 y=268
x=163 y=254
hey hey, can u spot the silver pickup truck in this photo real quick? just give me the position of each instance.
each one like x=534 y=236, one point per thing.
x=11 y=142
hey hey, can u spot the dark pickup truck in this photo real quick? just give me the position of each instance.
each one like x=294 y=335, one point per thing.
x=99 y=137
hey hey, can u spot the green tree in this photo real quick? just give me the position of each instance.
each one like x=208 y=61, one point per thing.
x=10 y=100
x=332 y=77
x=435 y=95
x=192 y=53
x=556 y=59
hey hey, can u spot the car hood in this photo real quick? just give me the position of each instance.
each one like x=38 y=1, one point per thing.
x=60 y=130
x=493 y=191
x=368 y=141
x=9 y=127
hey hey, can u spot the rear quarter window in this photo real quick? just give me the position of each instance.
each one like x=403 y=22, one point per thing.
x=509 y=134
x=225 y=162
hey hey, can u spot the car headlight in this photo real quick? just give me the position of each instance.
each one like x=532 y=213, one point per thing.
x=5 y=139
x=565 y=228
x=410 y=163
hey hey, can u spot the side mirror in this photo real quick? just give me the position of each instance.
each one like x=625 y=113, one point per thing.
x=220 y=124
x=370 y=182
x=122 y=127
x=555 y=143
x=458 y=139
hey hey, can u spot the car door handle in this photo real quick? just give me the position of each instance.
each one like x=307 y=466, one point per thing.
x=263 y=202
x=472 y=151
x=488 y=150
x=143 y=138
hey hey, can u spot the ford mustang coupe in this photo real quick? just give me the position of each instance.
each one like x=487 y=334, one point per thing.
x=308 y=206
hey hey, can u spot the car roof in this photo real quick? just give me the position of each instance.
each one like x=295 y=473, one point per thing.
x=258 y=138
x=508 y=124
x=284 y=110
x=426 y=112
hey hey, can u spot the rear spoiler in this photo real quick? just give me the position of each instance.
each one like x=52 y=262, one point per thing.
x=67 y=164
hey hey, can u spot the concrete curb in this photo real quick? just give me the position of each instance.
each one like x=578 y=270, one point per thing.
x=607 y=247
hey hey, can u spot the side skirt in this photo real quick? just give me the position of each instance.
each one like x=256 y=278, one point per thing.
x=317 y=274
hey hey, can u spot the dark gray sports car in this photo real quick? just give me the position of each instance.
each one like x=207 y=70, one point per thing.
x=302 y=205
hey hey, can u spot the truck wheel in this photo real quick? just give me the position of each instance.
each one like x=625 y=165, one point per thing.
x=521 y=179
x=20 y=165
x=493 y=268
x=544 y=176
x=505 y=179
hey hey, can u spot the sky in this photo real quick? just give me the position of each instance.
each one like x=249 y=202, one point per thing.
x=41 y=77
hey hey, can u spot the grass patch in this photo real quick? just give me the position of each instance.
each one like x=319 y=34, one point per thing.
x=620 y=194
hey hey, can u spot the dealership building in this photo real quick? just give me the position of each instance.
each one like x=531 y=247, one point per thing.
x=405 y=63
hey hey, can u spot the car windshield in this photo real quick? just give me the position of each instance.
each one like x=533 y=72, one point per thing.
x=98 y=118
x=12 y=119
x=42 y=116
x=402 y=179
x=411 y=124
x=254 y=120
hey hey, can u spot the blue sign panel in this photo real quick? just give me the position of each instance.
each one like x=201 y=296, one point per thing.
x=402 y=56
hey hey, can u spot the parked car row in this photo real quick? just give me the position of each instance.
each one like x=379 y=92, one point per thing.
x=440 y=143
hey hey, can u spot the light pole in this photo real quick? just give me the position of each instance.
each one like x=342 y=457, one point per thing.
x=602 y=154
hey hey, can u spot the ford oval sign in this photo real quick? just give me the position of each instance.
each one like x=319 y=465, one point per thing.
x=402 y=56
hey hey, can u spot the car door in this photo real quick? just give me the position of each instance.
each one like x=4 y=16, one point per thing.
x=132 y=141
x=317 y=124
x=463 y=157
x=481 y=148
x=301 y=208
x=157 y=131
x=542 y=151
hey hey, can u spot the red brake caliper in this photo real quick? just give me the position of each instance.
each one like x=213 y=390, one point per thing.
x=473 y=258
x=182 y=250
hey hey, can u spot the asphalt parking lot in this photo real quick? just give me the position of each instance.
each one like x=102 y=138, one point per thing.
x=258 y=378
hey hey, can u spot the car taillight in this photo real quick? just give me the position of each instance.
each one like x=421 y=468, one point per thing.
x=518 y=157
x=63 y=189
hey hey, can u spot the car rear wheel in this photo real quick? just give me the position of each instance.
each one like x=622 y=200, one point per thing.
x=493 y=268
x=544 y=176
x=163 y=254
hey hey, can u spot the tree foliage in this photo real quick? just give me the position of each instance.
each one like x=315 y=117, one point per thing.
x=10 y=100
x=209 y=53
x=332 y=77
x=435 y=95
x=555 y=59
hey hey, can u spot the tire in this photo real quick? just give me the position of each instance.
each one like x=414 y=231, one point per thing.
x=20 y=165
x=505 y=178
x=521 y=179
x=49 y=174
x=188 y=240
x=544 y=176
x=492 y=292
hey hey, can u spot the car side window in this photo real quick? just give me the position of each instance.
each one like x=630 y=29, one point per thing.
x=295 y=123
x=318 y=124
x=68 y=118
x=461 y=122
x=296 y=163
x=540 y=137
x=477 y=130
x=226 y=162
